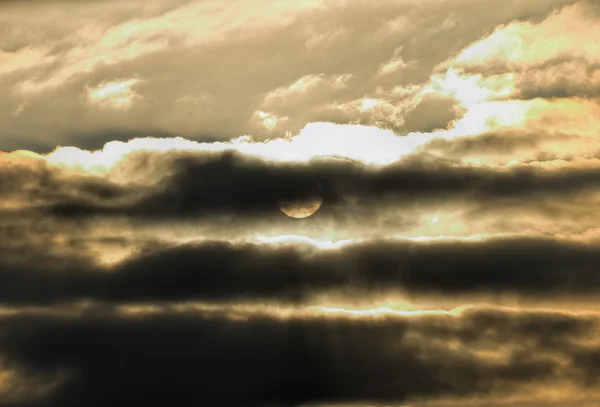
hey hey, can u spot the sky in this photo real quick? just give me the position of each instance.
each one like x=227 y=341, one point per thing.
x=307 y=203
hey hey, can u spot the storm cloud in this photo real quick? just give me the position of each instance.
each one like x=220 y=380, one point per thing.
x=180 y=184
x=295 y=273
x=103 y=356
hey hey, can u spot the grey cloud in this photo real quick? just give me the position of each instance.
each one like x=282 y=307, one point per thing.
x=231 y=196
x=36 y=184
x=565 y=76
x=571 y=79
x=430 y=114
x=243 y=192
x=229 y=183
x=225 y=272
x=259 y=360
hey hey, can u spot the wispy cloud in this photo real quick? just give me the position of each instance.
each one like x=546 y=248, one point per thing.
x=117 y=95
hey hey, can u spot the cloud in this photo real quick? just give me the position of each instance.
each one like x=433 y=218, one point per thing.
x=116 y=95
x=144 y=255
x=229 y=182
x=471 y=89
x=431 y=113
x=439 y=187
x=50 y=65
x=141 y=36
x=224 y=272
x=534 y=60
x=563 y=79
x=530 y=180
x=259 y=360
x=506 y=146
x=304 y=86
x=395 y=63
x=526 y=44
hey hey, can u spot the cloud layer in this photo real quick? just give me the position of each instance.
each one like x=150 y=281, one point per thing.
x=104 y=356
x=233 y=189
x=286 y=272
x=145 y=150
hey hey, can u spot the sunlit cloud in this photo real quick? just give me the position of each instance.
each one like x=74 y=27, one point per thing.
x=366 y=144
x=117 y=95
x=191 y=24
x=306 y=84
x=382 y=311
x=471 y=89
x=295 y=239
x=367 y=104
x=23 y=59
x=527 y=44
x=395 y=63
x=268 y=120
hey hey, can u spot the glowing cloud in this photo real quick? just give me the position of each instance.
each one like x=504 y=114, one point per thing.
x=471 y=89
x=117 y=95
x=529 y=44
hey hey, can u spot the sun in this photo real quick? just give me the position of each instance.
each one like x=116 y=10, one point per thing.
x=300 y=209
x=305 y=206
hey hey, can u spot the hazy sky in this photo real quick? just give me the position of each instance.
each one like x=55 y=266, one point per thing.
x=145 y=150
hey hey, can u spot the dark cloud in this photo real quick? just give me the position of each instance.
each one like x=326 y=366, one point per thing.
x=225 y=272
x=210 y=359
x=34 y=183
x=201 y=185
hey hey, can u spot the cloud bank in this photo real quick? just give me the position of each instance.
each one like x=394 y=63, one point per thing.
x=105 y=356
